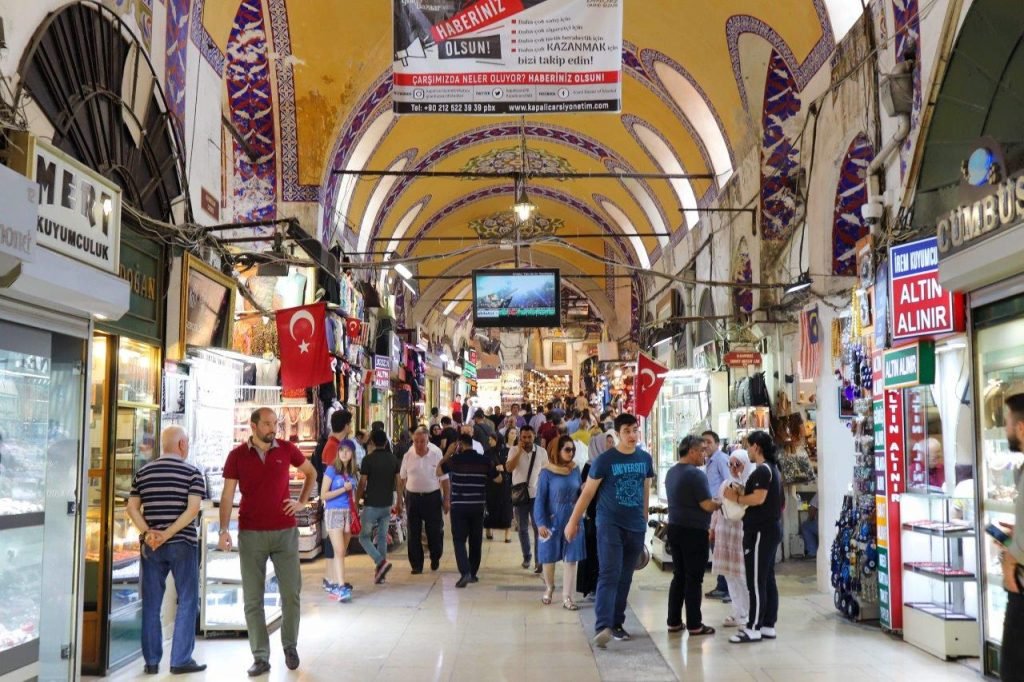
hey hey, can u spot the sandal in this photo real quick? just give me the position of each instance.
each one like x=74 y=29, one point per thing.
x=570 y=605
x=743 y=637
x=546 y=599
x=704 y=630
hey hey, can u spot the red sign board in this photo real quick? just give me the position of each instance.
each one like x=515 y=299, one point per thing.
x=895 y=484
x=920 y=306
x=742 y=358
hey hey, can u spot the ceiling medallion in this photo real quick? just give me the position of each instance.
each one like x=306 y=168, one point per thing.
x=510 y=160
x=501 y=225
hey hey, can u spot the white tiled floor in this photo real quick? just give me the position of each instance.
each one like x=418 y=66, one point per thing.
x=423 y=628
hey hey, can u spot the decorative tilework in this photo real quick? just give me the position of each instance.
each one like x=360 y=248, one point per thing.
x=488 y=134
x=908 y=30
x=502 y=224
x=848 y=225
x=778 y=154
x=202 y=39
x=251 y=104
x=510 y=160
x=508 y=190
x=175 y=76
x=737 y=25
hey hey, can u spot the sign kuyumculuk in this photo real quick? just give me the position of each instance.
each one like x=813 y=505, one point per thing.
x=507 y=56
x=79 y=209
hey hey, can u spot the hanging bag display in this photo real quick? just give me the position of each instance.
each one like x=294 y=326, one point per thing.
x=521 y=491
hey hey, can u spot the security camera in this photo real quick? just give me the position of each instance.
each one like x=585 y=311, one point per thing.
x=872 y=211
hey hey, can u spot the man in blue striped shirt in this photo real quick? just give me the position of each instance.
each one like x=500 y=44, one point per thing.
x=163 y=504
x=468 y=472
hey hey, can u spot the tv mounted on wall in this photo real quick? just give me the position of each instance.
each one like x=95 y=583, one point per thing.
x=516 y=298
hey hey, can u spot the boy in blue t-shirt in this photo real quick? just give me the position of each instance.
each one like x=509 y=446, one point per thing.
x=619 y=478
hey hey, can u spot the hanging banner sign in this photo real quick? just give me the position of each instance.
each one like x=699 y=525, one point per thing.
x=381 y=372
x=742 y=358
x=895 y=485
x=919 y=304
x=507 y=56
x=912 y=365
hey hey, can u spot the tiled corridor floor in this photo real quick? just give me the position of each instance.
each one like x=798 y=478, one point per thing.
x=423 y=628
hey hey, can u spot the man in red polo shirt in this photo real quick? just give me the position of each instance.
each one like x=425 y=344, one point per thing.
x=266 y=530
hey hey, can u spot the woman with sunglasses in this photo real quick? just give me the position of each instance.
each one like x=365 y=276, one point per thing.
x=762 y=532
x=557 y=491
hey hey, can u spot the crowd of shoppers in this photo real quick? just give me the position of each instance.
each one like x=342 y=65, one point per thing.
x=492 y=474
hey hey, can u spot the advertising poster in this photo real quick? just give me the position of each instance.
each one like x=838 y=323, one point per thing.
x=920 y=306
x=507 y=56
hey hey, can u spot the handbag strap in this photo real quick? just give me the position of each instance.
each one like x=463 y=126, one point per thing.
x=529 y=471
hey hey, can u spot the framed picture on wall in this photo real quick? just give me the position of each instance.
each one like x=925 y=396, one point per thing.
x=207 y=305
x=557 y=352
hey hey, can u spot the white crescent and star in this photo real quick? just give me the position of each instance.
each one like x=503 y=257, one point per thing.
x=647 y=372
x=297 y=317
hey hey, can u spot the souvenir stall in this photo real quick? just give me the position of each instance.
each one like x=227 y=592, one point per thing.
x=541 y=388
x=857 y=546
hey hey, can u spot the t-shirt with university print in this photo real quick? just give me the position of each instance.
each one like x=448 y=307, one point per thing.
x=164 y=486
x=620 y=499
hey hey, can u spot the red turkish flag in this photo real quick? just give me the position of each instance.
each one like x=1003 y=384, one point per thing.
x=302 y=336
x=649 y=378
x=353 y=327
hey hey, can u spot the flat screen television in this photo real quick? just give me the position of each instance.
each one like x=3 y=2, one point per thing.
x=516 y=298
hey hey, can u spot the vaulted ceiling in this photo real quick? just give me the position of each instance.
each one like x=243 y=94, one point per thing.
x=693 y=88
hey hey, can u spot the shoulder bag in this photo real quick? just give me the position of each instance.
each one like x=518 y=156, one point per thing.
x=355 y=524
x=521 y=491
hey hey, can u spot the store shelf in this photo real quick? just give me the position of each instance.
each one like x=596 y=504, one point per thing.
x=939 y=611
x=11 y=521
x=941 y=572
x=939 y=529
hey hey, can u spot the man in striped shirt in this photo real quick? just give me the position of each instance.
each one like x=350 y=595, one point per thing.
x=163 y=504
x=468 y=472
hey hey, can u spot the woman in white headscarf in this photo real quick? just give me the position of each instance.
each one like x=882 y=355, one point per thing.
x=727 y=535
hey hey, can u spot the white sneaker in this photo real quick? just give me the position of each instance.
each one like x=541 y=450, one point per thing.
x=768 y=633
x=602 y=638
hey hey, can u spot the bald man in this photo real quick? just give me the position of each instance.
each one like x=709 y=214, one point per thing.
x=260 y=468
x=163 y=504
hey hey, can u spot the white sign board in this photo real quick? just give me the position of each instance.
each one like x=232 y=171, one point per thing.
x=507 y=56
x=19 y=211
x=79 y=209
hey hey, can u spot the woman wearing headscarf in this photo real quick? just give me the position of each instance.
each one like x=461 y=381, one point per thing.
x=762 y=532
x=557 y=490
x=499 y=495
x=588 y=569
x=727 y=536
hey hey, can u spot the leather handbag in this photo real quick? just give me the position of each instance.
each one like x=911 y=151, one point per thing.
x=521 y=491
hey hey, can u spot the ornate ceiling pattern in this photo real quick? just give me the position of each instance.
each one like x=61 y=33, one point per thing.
x=687 y=95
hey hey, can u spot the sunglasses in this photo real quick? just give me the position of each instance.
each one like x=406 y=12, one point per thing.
x=568 y=448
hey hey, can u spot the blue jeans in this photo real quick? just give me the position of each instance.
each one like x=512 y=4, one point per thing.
x=617 y=551
x=525 y=520
x=809 y=532
x=381 y=516
x=181 y=560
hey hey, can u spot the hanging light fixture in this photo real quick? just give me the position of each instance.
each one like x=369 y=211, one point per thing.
x=802 y=282
x=523 y=208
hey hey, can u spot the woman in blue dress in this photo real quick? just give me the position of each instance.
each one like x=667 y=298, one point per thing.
x=557 y=491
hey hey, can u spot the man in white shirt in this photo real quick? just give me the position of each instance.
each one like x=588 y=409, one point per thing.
x=427 y=499
x=538 y=420
x=519 y=463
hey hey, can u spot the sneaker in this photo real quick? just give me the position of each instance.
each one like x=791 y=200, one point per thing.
x=716 y=594
x=342 y=594
x=602 y=638
x=328 y=585
x=768 y=633
x=526 y=563
x=382 y=570
x=620 y=634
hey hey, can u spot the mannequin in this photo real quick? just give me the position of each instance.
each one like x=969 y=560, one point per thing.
x=267 y=372
x=290 y=291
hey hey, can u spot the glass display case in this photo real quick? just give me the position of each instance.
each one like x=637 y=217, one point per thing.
x=683 y=407
x=125 y=421
x=940 y=599
x=999 y=354
x=222 y=607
